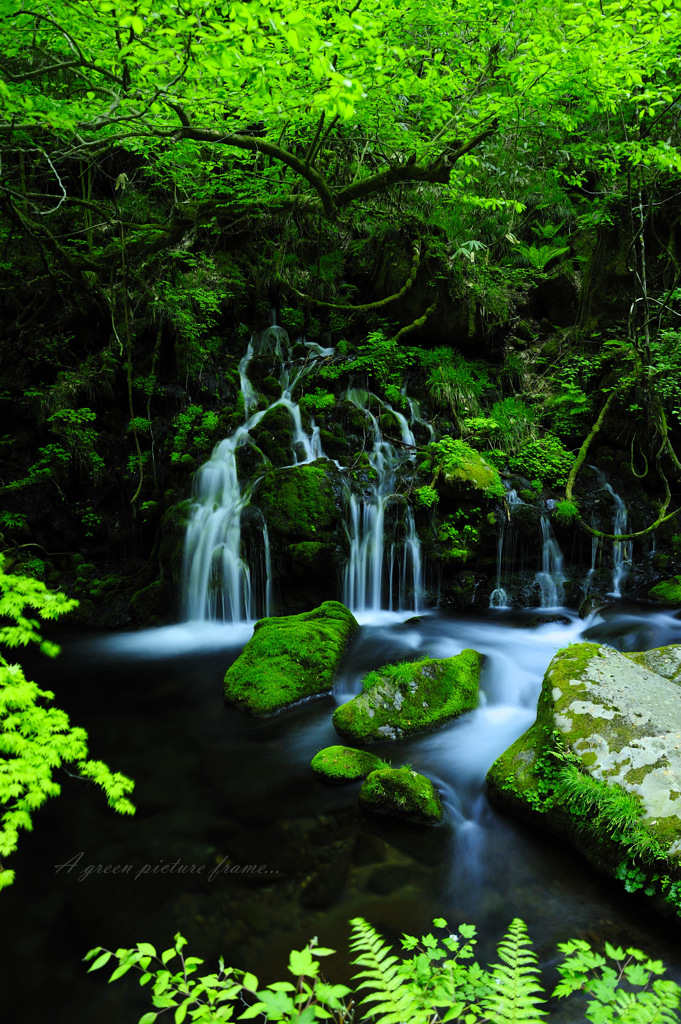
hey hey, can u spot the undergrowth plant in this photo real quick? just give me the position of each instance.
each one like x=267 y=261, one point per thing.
x=436 y=979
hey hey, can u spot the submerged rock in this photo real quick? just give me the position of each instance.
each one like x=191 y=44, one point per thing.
x=345 y=764
x=412 y=697
x=402 y=793
x=601 y=766
x=289 y=658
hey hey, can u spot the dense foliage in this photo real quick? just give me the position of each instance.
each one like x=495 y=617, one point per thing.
x=36 y=739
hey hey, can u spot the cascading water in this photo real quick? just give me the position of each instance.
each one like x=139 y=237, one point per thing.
x=622 y=550
x=385 y=568
x=219 y=583
x=551 y=577
x=499 y=597
x=374 y=559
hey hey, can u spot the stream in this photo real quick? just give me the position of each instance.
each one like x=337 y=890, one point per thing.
x=218 y=792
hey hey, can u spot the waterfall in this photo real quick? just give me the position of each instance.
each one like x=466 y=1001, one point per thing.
x=224 y=582
x=622 y=550
x=373 y=557
x=219 y=583
x=551 y=576
x=499 y=597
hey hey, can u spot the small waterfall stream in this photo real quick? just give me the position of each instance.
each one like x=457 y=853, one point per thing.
x=373 y=560
x=622 y=550
x=219 y=583
x=551 y=577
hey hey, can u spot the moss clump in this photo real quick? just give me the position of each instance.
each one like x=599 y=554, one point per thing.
x=402 y=793
x=412 y=697
x=456 y=463
x=667 y=592
x=272 y=435
x=289 y=658
x=153 y=605
x=299 y=500
x=312 y=557
x=345 y=764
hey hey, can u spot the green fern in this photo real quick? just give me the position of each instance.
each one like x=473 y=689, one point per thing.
x=394 y=1001
x=516 y=991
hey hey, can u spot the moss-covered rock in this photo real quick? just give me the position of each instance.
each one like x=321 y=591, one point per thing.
x=289 y=658
x=667 y=592
x=412 y=697
x=402 y=793
x=300 y=500
x=312 y=557
x=154 y=605
x=345 y=764
x=616 y=718
x=273 y=436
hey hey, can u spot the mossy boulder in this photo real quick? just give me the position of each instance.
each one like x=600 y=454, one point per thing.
x=667 y=592
x=615 y=719
x=402 y=793
x=154 y=605
x=412 y=697
x=289 y=658
x=345 y=764
x=300 y=500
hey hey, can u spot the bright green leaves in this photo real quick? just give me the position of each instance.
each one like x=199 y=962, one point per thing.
x=438 y=981
x=36 y=739
x=212 y=997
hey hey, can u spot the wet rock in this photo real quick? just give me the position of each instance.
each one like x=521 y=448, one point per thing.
x=402 y=793
x=667 y=592
x=412 y=697
x=389 y=878
x=605 y=748
x=340 y=765
x=289 y=658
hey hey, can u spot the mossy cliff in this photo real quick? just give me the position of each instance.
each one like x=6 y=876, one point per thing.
x=345 y=764
x=412 y=697
x=601 y=766
x=289 y=658
x=402 y=793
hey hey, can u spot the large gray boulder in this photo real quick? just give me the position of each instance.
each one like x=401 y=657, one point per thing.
x=601 y=766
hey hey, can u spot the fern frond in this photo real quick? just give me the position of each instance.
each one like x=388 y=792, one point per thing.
x=393 y=995
x=516 y=993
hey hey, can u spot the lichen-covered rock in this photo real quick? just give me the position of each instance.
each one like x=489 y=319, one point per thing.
x=412 y=697
x=345 y=764
x=617 y=718
x=402 y=793
x=667 y=592
x=289 y=658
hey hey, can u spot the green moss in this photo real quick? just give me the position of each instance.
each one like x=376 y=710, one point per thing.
x=312 y=556
x=272 y=435
x=455 y=463
x=153 y=605
x=289 y=658
x=345 y=764
x=402 y=793
x=412 y=697
x=299 y=500
x=667 y=592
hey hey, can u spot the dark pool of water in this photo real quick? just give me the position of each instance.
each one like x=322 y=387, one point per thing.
x=218 y=792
